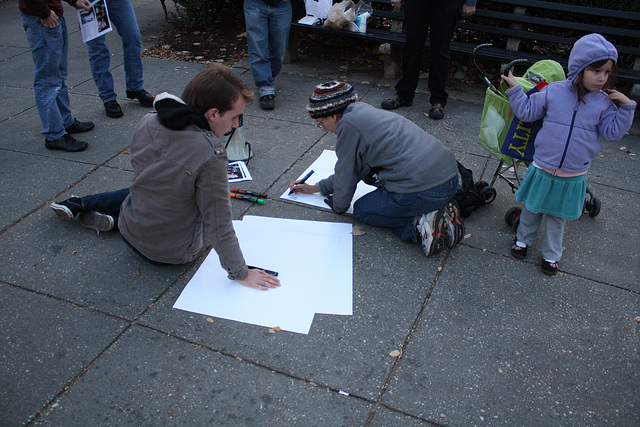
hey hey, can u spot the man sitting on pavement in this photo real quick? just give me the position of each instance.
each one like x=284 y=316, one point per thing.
x=180 y=180
x=415 y=174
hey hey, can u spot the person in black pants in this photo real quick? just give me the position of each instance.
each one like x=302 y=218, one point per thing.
x=437 y=19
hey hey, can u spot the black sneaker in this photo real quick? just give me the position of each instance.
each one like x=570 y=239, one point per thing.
x=96 y=221
x=268 y=102
x=454 y=227
x=395 y=102
x=437 y=112
x=517 y=251
x=65 y=143
x=144 y=97
x=550 y=268
x=113 y=109
x=79 y=127
x=67 y=209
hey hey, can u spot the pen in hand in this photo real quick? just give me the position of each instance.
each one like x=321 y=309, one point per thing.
x=302 y=181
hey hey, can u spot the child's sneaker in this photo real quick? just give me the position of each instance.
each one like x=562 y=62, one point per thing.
x=431 y=229
x=454 y=227
x=550 y=268
x=518 y=251
x=96 y=221
x=67 y=209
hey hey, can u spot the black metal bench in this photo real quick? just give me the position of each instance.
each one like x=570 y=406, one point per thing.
x=530 y=29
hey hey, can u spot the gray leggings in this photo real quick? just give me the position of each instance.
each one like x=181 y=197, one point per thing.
x=554 y=229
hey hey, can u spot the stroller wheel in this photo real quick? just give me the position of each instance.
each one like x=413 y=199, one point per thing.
x=511 y=215
x=488 y=194
x=516 y=223
x=479 y=185
x=593 y=207
x=592 y=204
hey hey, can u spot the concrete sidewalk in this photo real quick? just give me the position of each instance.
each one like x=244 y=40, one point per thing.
x=88 y=335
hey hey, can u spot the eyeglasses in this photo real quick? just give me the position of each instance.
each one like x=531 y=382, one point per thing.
x=319 y=124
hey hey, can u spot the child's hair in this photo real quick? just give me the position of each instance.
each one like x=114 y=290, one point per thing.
x=608 y=85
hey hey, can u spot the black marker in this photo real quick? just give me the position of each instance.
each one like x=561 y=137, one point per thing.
x=302 y=181
x=271 y=272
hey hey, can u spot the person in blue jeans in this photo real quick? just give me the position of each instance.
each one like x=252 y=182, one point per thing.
x=123 y=18
x=46 y=31
x=415 y=174
x=267 y=23
x=180 y=190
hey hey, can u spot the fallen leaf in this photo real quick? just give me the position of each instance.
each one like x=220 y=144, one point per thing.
x=394 y=353
x=500 y=370
x=440 y=268
x=357 y=231
x=138 y=272
x=209 y=319
x=277 y=328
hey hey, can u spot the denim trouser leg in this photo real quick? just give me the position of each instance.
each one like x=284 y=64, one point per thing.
x=123 y=18
x=398 y=212
x=108 y=203
x=49 y=48
x=267 y=39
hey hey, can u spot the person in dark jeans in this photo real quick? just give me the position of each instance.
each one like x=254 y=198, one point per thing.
x=180 y=188
x=436 y=19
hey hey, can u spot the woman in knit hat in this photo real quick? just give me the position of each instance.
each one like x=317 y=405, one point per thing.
x=415 y=174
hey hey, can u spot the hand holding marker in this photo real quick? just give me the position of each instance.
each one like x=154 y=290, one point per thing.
x=302 y=181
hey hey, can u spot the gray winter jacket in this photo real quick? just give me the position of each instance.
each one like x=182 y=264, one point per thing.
x=180 y=181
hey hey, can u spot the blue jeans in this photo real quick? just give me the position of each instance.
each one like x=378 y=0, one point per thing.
x=107 y=203
x=49 y=48
x=123 y=18
x=267 y=39
x=398 y=211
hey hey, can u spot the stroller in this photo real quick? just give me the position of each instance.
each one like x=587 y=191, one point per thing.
x=510 y=140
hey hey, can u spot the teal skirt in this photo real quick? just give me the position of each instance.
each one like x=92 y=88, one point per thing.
x=542 y=192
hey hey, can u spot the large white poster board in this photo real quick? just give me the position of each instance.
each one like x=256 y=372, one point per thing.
x=314 y=263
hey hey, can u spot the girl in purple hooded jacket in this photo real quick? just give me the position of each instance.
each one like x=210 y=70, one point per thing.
x=574 y=112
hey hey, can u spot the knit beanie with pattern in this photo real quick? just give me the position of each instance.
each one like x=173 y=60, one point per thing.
x=331 y=98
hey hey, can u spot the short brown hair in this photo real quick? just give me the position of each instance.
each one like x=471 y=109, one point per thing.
x=608 y=85
x=217 y=86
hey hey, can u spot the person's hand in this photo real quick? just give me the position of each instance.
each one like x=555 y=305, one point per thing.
x=618 y=97
x=467 y=9
x=510 y=80
x=51 y=21
x=83 y=4
x=396 y=3
x=258 y=279
x=303 y=188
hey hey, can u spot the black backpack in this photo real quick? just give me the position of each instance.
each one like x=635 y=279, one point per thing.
x=472 y=195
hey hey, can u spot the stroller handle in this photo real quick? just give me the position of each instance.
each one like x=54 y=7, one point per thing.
x=475 y=65
x=514 y=63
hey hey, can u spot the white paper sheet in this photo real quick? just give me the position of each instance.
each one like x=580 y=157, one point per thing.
x=314 y=262
x=323 y=167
